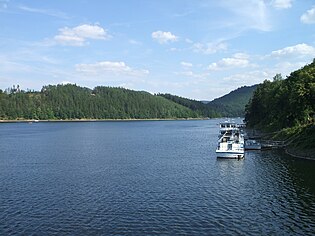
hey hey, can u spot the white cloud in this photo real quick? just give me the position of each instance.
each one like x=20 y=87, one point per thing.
x=65 y=82
x=186 y=64
x=164 y=37
x=72 y=40
x=77 y=36
x=282 y=4
x=175 y=49
x=239 y=60
x=188 y=40
x=286 y=67
x=250 y=15
x=134 y=42
x=110 y=68
x=264 y=73
x=209 y=48
x=296 y=50
x=49 y=12
x=191 y=74
x=309 y=16
x=247 y=78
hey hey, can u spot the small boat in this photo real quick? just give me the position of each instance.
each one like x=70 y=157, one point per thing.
x=251 y=144
x=231 y=141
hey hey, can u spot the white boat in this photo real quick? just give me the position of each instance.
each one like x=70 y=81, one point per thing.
x=231 y=141
x=251 y=144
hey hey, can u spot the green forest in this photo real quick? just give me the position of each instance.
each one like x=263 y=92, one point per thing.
x=200 y=108
x=234 y=103
x=68 y=102
x=229 y=105
x=284 y=103
x=74 y=102
x=286 y=107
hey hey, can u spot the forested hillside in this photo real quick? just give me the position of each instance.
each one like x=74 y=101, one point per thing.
x=288 y=107
x=199 y=107
x=284 y=103
x=230 y=105
x=233 y=104
x=74 y=102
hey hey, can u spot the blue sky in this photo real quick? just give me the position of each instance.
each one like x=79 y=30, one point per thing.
x=195 y=49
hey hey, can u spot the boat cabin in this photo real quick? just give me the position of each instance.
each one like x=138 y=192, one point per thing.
x=227 y=125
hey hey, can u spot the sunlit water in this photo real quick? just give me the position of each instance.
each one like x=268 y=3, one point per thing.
x=147 y=177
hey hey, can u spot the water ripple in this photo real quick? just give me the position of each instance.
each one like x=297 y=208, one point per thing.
x=145 y=178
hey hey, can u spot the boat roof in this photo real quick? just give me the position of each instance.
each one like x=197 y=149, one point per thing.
x=227 y=123
x=230 y=123
x=230 y=126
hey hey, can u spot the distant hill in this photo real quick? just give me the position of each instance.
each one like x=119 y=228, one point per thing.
x=197 y=106
x=230 y=105
x=74 y=102
x=233 y=104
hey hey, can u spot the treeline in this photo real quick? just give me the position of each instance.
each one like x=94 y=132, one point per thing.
x=233 y=104
x=200 y=108
x=229 y=105
x=284 y=103
x=74 y=102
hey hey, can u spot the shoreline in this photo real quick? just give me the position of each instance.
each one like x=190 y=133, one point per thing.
x=97 y=120
x=289 y=149
x=299 y=155
x=295 y=153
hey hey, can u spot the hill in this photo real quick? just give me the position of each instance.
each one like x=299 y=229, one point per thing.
x=197 y=106
x=287 y=106
x=230 y=105
x=74 y=102
x=233 y=104
x=284 y=103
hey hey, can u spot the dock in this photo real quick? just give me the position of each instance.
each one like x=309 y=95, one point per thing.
x=262 y=138
x=271 y=144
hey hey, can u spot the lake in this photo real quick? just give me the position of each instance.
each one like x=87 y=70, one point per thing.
x=146 y=177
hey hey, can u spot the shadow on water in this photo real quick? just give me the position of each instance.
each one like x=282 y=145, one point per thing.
x=290 y=185
x=268 y=192
x=302 y=175
x=301 y=171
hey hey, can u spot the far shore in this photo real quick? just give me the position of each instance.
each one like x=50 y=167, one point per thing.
x=96 y=120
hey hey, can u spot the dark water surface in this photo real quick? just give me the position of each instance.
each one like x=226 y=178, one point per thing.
x=148 y=177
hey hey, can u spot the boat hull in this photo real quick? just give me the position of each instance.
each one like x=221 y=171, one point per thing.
x=230 y=154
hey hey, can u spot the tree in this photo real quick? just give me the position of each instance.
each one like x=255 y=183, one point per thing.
x=284 y=103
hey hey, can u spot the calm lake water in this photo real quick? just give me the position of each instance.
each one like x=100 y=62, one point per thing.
x=146 y=177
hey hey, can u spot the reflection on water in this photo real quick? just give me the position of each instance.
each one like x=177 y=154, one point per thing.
x=146 y=178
